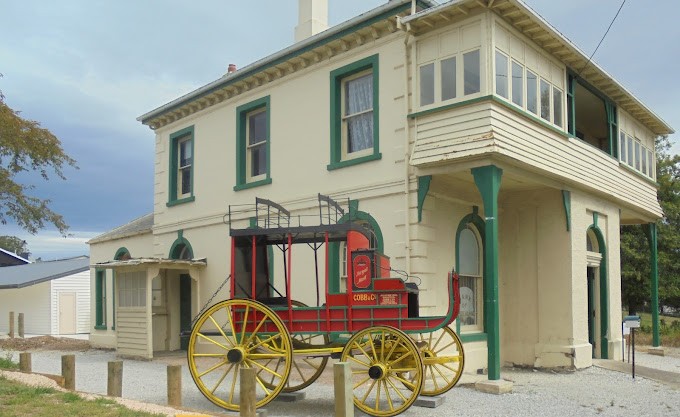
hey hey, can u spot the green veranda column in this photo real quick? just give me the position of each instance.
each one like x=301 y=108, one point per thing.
x=488 y=181
x=650 y=231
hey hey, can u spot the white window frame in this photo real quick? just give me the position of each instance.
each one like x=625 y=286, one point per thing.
x=479 y=283
x=344 y=117
x=250 y=147
x=180 y=168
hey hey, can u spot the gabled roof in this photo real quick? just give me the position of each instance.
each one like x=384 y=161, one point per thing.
x=375 y=23
x=20 y=276
x=138 y=226
x=532 y=25
x=14 y=256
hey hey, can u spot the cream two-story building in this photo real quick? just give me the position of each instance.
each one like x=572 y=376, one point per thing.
x=469 y=134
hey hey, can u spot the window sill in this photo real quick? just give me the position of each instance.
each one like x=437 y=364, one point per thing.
x=180 y=201
x=473 y=337
x=100 y=327
x=355 y=161
x=638 y=173
x=247 y=185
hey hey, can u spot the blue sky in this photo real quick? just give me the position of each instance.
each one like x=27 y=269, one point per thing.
x=87 y=69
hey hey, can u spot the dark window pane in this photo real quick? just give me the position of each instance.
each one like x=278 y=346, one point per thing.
x=448 y=78
x=186 y=181
x=471 y=69
x=185 y=153
x=501 y=75
x=426 y=84
x=637 y=155
x=532 y=90
x=517 y=83
x=257 y=127
x=545 y=100
x=650 y=163
x=258 y=161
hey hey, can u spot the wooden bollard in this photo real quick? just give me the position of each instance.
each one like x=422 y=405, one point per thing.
x=175 y=385
x=11 y=325
x=68 y=371
x=25 y=362
x=247 y=393
x=342 y=385
x=21 y=325
x=114 y=386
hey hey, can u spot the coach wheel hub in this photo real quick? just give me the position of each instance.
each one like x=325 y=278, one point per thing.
x=377 y=371
x=235 y=355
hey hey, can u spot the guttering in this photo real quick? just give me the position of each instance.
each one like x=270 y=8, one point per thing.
x=283 y=55
x=541 y=22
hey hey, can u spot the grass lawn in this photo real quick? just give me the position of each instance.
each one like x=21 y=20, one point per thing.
x=18 y=400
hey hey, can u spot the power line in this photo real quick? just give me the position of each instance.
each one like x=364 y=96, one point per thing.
x=603 y=36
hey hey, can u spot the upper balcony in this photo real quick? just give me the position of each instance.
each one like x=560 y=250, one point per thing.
x=486 y=88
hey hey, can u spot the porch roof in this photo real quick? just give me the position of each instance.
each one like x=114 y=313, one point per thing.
x=162 y=263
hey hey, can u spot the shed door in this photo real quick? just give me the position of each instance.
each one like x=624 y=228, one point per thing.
x=67 y=313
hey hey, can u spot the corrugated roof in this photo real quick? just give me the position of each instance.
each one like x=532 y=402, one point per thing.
x=20 y=276
x=138 y=226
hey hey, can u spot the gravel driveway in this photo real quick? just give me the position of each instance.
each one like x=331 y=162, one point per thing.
x=590 y=392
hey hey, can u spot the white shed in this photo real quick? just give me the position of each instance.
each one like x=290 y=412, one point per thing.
x=54 y=296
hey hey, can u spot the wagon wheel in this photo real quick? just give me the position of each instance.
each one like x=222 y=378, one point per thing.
x=387 y=370
x=234 y=334
x=443 y=360
x=305 y=369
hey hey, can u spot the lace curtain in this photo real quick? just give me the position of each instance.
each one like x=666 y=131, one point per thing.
x=359 y=113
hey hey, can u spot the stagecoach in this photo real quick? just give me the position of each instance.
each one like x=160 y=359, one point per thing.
x=373 y=322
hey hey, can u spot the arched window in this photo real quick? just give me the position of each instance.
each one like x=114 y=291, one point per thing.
x=471 y=279
x=181 y=249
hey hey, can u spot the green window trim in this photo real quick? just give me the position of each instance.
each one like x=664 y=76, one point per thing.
x=175 y=137
x=472 y=337
x=100 y=305
x=336 y=78
x=474 y=219
x=241 y=143
x=604 y=289
x=609 y=107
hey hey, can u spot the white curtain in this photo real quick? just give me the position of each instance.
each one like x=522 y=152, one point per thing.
x=358 y=99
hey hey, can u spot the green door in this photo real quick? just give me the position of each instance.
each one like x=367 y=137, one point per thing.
x=184 y=310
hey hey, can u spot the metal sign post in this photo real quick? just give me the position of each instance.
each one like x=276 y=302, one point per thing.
x=632 y=323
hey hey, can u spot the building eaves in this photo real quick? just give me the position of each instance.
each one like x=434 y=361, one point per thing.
x=535 y=27
x=379 y=13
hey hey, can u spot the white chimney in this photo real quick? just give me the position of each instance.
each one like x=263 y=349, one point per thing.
x=312 y=18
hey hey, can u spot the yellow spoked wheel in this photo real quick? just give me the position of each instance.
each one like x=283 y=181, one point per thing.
x=234 y=334
x=387 y=370
x=307 y=367
x=443 y=360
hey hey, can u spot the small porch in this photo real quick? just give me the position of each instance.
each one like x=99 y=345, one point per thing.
x=155 y=300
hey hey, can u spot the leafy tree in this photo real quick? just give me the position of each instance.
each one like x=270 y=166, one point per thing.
x=14 y=244
x=635 y=268
x=25 y=146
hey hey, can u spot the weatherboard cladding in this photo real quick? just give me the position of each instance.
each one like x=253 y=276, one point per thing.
x=20 y=276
